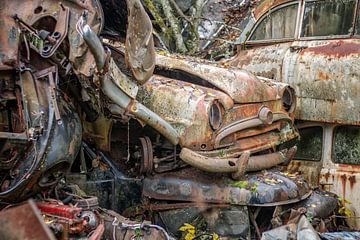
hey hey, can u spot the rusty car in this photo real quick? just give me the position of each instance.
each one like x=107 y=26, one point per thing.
x=198 y=137
x=314 y=46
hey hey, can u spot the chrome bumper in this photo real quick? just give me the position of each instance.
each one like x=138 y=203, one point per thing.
x=237 y=166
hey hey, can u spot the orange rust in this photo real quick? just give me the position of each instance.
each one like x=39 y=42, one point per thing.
x=352 y=181
x=335 y=49
x=343 y=182
x=323 y=76
x=268 y=5
x=353 y=167
x=327 y=175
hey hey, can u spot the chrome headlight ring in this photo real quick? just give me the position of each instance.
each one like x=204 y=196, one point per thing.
x=289 y=99
x=216 y=115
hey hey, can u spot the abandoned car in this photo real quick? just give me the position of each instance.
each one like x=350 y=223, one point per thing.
x=176 y=126
x=314 y=46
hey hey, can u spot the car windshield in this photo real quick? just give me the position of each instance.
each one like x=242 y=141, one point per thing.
x=278 y=24
x=310 y=145
x=346 y=145
x=326 y=18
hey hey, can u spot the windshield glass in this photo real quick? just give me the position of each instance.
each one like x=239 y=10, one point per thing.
x=326 y=18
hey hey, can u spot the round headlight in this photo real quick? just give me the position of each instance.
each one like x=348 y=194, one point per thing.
x=216 y=115
x=289 y=99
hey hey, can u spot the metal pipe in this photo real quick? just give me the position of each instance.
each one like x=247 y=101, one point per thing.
x=262 y=162
x=12 y=135
x=95 y=46
x=139 y=111
x=208 y=164
x=120 y=98
x=234 y=165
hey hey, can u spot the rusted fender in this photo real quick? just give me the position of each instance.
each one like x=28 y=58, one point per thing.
x=47 y=152
x=140 y=51
x=185 y=106
x=234 y=165
x=139 y=111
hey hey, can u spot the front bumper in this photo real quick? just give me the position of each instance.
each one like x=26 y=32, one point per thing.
x=237 y=166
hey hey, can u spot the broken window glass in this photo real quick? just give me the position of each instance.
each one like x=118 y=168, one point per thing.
x=326 y=18
x=278 y=24
x=346 y=145
x=310 y=145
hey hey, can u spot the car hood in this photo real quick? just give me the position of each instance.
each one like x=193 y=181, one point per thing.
x=240 y=85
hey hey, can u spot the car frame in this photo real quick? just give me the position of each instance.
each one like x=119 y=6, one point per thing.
x=323 y=68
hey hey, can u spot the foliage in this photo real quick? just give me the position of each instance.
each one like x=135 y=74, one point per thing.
x=190 y=233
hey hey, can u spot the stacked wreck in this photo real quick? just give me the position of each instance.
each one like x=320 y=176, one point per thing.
x=89 y=122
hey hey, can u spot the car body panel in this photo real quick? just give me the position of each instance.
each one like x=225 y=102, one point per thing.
x=324 y=70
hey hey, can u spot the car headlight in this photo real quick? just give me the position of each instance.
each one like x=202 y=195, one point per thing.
x=216 y=115
x=289 y=99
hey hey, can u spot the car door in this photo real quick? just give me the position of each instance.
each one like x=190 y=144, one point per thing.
x=310 y=155
x=341 y=168
x=266 y=41
x=322 y=65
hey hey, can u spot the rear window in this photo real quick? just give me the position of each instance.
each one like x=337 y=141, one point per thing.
x=346 y=145
x=310 y=145
x=279 y=24
x=326 y=18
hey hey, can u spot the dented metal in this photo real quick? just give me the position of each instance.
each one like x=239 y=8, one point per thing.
x=187 y=104
x=324 y=71
x=262 y=189
x=63 y=85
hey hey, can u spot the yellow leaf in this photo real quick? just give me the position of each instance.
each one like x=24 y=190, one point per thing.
x=189 y=230
x=186 y=227
x=162 y=52
x=189 y=236
x=215 y=236
x=348 y=212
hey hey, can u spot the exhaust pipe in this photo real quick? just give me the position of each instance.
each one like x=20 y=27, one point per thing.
x=120 y=98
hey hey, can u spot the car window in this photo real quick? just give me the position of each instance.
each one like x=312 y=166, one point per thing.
x=326 y=18
x=279 y=24
x=358 y=22
x=310 y=145
x=346 y=145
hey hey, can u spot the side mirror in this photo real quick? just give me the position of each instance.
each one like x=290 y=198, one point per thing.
x=140 y=50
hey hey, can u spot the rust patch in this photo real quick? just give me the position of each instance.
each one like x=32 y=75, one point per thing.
x=266 y=6
x=352 y=181
x=343 y=182
x=354 y=168
x=323 y=76
x=335 y=49
x=327 y=175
